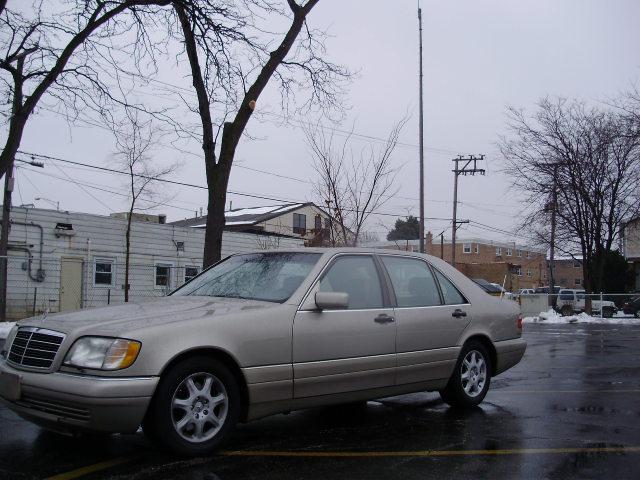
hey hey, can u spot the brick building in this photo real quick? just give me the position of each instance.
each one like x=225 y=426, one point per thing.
x=568 y=272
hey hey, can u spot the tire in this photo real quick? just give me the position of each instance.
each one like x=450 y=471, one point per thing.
x=566 y=310
x=196 y=405
x=455 y=393
x=637 y=314
x=607 y=312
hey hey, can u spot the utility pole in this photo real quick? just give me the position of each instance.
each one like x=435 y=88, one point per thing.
x=467 y=169
x=4 y=240
x=4 y=233
x=421 y=139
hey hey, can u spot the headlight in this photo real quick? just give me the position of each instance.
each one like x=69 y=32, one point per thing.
x=102 y=353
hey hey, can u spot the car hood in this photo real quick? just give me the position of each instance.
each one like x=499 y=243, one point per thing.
x=136 y=315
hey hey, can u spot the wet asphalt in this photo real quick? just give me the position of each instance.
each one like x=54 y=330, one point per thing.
x=570 y=409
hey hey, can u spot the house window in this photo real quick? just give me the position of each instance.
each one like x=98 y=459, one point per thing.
x=498 y=251
x=509 y=252
x=327 y=222
x=544 y=275
x=466 y=248
x=518 y=253
x=189 y=273
x=528 y=254
x=577 y=264
x=477 y=248
x=577 y=281
x=529 y=273
x=104 y=272
x=518 y=271
x=299 y=223
x=163 y=275
x=318 y=222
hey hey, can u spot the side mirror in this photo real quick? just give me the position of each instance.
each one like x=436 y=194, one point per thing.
x=332 y=300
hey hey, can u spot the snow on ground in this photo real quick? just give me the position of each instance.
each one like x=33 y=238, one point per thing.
x=5 y=327
x=553 y=317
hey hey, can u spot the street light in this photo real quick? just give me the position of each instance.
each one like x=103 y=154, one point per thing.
x=50 y=202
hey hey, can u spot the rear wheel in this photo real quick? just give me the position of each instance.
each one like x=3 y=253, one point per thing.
x=471 y=378
x=607 y=312
x=196 y=405
x=566 y=310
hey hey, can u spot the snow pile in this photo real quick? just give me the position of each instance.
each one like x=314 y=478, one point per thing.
x=553 y=317
x=5 y=328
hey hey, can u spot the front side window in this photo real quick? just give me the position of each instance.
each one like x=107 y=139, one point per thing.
x=103 y=272
x=451 y=294
x=412 y=281
x=163 y=275
x=357 y=276
x=466 y=248
x=299 y=223
x=271 y=277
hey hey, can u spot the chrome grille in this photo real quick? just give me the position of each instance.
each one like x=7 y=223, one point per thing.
x=35 y=347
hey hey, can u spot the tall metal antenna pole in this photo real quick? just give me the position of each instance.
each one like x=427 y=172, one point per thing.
x=421 y=141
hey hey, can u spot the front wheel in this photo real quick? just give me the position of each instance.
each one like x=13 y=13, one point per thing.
x=196 y=405
x=607 y=312
x=471 y=378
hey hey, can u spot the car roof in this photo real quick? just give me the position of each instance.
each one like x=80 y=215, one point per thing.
x=335 y=250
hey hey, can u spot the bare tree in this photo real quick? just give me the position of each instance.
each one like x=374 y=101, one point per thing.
x=590 y=157
x=355 y=185
x=36 y=51
x=135 y=139
x=232 y=60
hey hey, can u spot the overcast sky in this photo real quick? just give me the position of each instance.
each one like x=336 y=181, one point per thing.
x=479 y=56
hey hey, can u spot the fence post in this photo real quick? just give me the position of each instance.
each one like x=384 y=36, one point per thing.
x=601 y=313
x=108 y=296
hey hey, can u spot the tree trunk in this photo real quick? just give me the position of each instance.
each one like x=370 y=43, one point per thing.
x=127 y=255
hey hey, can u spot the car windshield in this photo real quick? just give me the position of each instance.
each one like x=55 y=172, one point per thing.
x=272 y=277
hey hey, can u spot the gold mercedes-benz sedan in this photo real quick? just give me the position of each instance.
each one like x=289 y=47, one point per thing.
x=258 y=334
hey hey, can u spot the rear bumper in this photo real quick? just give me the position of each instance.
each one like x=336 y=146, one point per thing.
x=68 y=402
x=509 y=353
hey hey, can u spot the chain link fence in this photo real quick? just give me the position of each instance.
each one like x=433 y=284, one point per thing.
x=72 y=283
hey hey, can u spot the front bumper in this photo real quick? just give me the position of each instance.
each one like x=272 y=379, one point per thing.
x=70 y=402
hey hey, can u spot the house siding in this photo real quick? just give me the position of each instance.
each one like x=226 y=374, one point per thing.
x=101 y=237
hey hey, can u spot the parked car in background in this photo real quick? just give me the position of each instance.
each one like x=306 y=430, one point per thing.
x=490 y=288
x=259 y=334
x=556 y=289
x=632 y=307
x=572 y=301
x=526 y=291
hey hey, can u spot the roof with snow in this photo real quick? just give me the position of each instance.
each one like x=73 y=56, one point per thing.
x=247 y=216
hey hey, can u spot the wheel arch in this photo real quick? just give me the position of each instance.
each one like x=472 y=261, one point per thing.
x=223 y=357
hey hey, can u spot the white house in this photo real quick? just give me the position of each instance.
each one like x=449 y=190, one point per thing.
x=61 y=260
x=300 y=220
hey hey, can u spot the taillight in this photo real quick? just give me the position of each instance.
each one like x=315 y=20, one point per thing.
x=519 y=322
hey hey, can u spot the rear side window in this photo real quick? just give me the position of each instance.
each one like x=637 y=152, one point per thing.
x=412 y=281
x=356 y=275
x=451 y=294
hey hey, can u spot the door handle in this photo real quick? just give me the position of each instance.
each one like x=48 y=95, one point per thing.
x=459 y=313
x=383 y=318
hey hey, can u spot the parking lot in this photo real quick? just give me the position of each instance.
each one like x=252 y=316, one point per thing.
x=570 y=409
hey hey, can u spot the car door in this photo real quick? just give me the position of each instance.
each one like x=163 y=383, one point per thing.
x=337 y=351
x=431 y=314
